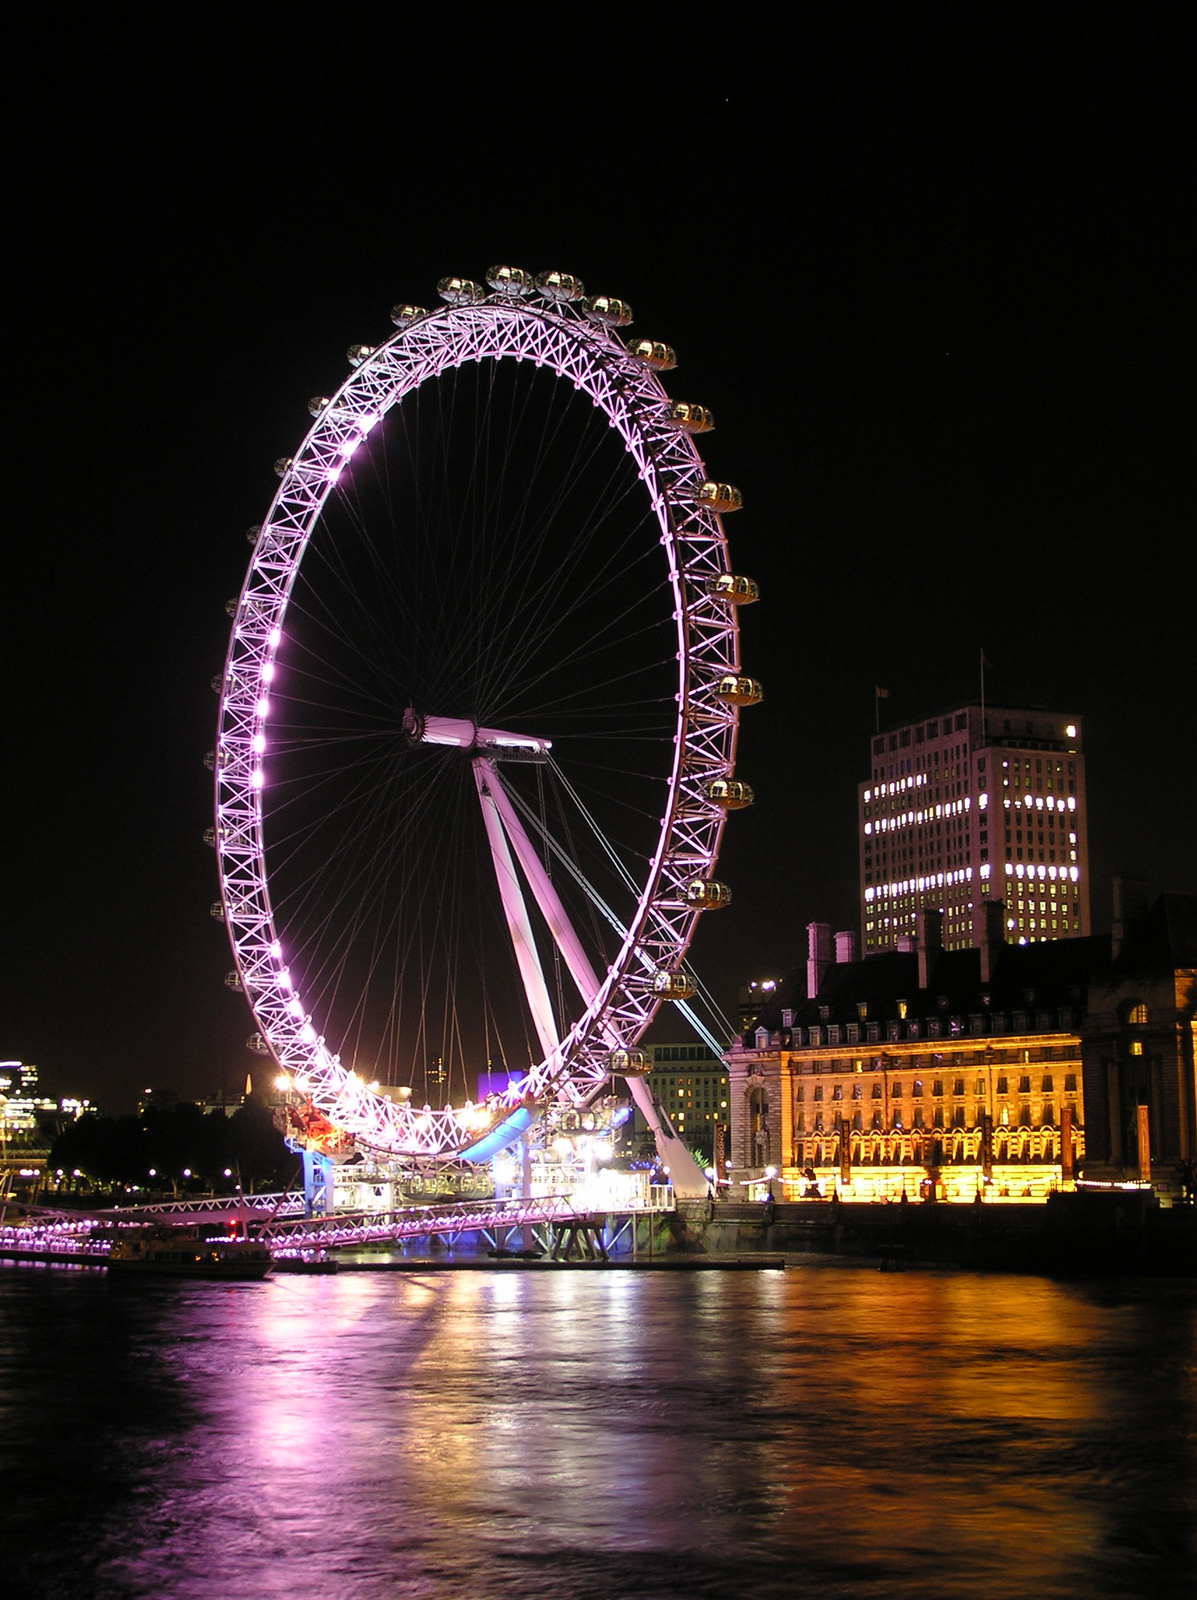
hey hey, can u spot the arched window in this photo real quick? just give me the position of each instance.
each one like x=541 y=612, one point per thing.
x=1134 y=1013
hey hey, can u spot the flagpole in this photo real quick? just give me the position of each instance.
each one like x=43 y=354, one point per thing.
x=984 y=729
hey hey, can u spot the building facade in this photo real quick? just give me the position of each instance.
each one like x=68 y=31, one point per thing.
x=952 y=1073
x=689 y=1082
x=969 y=807
x=1140 y=1064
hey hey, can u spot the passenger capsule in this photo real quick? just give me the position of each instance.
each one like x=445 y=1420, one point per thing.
x=317 y=404
x=736 y=691
x=630 y=1063
x=404 y=316
x=674 y=985
x=216 y=684
x=357 y=353
x=216 y=911
x=605 y=308
x=560 y=286
x=737 y=591
x=252 y=534
x=230 y=607
x=283 y=465
x=460 y=291
x=510 y=280
x=707 y=895
x=660 y=357
x=721 y=497
x=210 y=837
x=210 y=761
x=232 y=980
x=691 y=418
x=729 y=794
x=257 y=1045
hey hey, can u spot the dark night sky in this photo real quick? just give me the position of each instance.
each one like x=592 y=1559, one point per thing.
x=929 y=265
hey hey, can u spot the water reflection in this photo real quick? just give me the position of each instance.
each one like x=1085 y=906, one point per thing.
x=600 y=1435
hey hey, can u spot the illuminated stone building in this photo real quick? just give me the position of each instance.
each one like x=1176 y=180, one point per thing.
x=955 y=1072
x=1140 y=1074
x=970 y=806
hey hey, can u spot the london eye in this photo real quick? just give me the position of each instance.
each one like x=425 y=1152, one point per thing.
x=478 y=718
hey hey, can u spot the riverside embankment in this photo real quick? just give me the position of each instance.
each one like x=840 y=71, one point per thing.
x=1077 y=1233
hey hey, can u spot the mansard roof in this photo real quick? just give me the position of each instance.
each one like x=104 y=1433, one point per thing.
x=1163 y=940
x=1028 y=977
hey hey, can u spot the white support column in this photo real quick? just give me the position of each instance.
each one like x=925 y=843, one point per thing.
x=541 y=884
x=518 y=925
x=684 y=1172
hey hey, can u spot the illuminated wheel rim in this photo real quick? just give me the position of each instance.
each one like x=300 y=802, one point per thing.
x=560 y=339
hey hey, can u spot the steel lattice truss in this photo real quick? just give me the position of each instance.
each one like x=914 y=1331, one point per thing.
x=77 y=1237
x=295 y=1235
x=561 y=339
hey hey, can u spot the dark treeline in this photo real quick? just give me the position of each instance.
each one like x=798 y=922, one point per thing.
x=170 y=1141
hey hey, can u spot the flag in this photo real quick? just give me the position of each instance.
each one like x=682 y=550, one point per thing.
x=985 y=661
x=882 y=694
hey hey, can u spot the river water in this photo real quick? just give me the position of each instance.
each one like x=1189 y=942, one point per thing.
x=826 y=1431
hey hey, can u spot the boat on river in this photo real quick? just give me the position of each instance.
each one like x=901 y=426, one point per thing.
x=187 y=1253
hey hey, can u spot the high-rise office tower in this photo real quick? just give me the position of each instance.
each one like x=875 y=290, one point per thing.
x=971 y=806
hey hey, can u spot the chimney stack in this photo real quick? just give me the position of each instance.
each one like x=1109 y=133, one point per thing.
x=1130 y=903
x=847 y=947
x=928 y=927
x=993 y=937
x=818 y=955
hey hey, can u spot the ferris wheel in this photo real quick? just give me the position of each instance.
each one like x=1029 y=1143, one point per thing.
x=486 y=650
